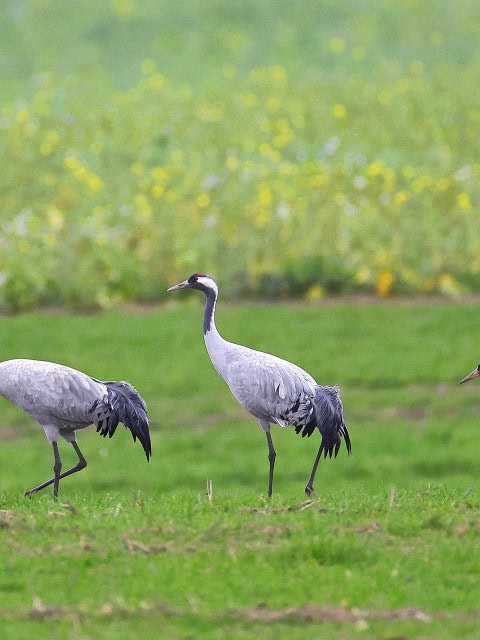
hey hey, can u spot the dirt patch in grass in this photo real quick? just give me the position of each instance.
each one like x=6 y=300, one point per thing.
x=368 y=528
x=306 y=613
x=299 y=506
x=253 y=535
x=326 y=613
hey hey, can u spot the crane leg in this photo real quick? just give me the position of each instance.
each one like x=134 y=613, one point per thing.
x=82 y=463
x=309 y=488
x=271 y=457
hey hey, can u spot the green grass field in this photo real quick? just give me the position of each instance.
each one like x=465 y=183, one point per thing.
x=389 y=547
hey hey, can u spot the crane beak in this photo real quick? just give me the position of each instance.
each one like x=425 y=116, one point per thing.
x=181 y=285
x=475 y=373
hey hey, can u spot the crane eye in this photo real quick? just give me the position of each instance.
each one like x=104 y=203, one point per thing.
x=478 y=366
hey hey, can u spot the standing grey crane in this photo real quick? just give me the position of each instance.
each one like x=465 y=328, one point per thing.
x=63 y=400
x=271 y=389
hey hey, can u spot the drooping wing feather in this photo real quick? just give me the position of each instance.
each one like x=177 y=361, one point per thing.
x=330 y=420
x=123 y=404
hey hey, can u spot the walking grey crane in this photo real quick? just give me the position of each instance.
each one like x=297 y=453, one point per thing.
x=63 y=400
x=271 y=389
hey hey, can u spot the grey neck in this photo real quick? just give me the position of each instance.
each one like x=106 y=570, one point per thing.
x=208 y=317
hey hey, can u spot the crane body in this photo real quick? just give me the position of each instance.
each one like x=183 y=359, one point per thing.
x=273 y=390
x=63 y=400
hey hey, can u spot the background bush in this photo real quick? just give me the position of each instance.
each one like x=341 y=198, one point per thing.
x=287 y=148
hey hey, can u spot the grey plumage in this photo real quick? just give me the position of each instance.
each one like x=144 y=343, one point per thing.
x=271 y=389
x=63 y=400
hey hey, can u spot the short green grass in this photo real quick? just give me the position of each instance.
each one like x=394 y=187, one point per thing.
x=389 y=547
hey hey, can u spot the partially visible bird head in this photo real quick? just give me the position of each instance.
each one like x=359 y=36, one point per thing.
x=475 y=373
x=197 y=281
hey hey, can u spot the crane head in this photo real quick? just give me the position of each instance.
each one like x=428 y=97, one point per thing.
x=475 y=373
x=197 y=281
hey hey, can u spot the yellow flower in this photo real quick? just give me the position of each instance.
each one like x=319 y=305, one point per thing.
x=143 y=205
x=52 y=137
x=363 y=275
x=337 y=45
x=232 y=162
x=315 y=292
x=268 y=152
x=158 y=190
x=203 y=200
x=339 y=111
x=463 y=201
x=262 y=218
x=46 y=149
x=70 y=162
x=94 y=183
x=420 y=183
x=288 y=169
x=23 y=246
x=160 y=174
x=55 y=218
x=80 y=171
x=448 y=285
x=22 y=116
x=384 y=283
x=284 y=135
x=401 y=197
x=156 y=81
x=317 y=180
x=442 y=184
x=374 y=169
x=265 y=196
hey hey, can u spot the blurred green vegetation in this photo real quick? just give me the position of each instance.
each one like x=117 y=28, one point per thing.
x=289 y=148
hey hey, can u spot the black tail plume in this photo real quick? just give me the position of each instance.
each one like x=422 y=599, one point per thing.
x=128 y=407
x=330 y=421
